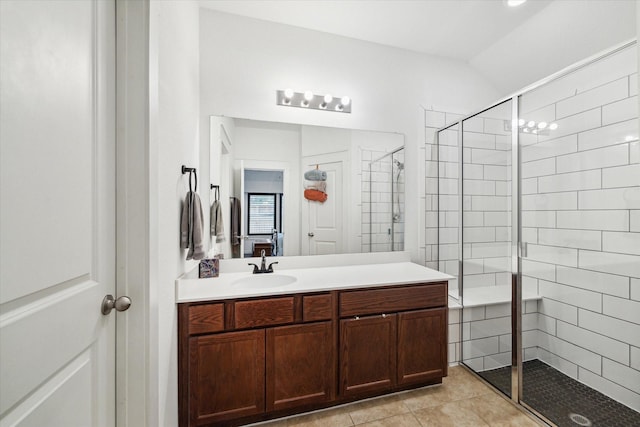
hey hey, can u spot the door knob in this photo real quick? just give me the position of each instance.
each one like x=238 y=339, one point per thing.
x=310 y=234
x=121 y=304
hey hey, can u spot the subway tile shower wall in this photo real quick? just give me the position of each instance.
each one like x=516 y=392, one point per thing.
x=376 y=202
x=580 y=217
x=382 y=197
x=581 y=190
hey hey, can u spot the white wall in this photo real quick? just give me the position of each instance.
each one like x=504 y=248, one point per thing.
x=559 y=35
x=175 y=143
x=216 y=161
x=244 y=61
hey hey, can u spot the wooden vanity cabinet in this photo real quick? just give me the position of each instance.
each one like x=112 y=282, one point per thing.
x=422 y=346
x=242 y=359
x=252 y=359
x=300 y=365
x=226 y=376
x=367 y=354
x=403 y=345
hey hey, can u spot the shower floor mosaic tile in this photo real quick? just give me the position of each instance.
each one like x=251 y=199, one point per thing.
x=559 y=397
x=461 y=400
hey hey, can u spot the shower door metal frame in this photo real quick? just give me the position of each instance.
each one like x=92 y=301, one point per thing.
x=393 y=235
x=516 y=236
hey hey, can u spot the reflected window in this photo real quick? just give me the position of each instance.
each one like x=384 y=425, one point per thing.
x=262 y=213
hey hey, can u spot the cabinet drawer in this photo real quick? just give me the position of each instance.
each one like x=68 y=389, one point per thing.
x=316 y=307
x=263 y=312
x=393 y=299
x=206 y=318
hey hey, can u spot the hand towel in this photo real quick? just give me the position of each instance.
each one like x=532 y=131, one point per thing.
x=315 y=195
x=315 y=175
x=192 y=226
x=316 y=185
x=217 y=229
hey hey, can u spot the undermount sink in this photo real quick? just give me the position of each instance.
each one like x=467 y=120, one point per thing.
x=261 y=281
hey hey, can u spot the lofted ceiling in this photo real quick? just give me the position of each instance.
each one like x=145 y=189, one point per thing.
x=435 y=27
x=510 y=46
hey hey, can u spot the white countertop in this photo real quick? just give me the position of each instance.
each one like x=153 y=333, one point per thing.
x=305 y=280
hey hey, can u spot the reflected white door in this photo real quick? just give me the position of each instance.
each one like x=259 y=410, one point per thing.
x=323 y=233
x=57 y=213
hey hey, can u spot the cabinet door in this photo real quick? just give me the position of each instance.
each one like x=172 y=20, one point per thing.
x=367 y=354
x=300 y=365
x=226 y=376
x=421 y=345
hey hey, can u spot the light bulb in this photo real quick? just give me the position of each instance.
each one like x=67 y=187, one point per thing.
x=339 y=107
x=328 y=98
x=308 y=95
x=535 y=131
x=542 y=125
x=304 y=103
x=629 y=138
x=345 y=100
x=288 y=93
x=521 y=122
x=553 y=126
x=286 y=101
x=323 y=106
x=531 y=124
x=525 y=130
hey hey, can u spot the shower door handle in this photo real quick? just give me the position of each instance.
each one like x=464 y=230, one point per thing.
x=310 y=234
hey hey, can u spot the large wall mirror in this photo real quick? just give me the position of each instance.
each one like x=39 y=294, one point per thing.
x=271 y=179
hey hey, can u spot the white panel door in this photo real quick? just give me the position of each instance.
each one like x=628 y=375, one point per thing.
x=322 y=232
x=57 y=212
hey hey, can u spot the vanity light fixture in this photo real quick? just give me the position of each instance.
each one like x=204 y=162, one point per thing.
x=530 y=126
x=307 y=99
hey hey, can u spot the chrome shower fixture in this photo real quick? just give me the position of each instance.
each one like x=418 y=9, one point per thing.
x=398 y=164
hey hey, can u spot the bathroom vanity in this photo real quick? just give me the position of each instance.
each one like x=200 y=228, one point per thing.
x=257 y=348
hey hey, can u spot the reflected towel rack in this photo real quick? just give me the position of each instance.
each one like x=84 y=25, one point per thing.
x=217 y=188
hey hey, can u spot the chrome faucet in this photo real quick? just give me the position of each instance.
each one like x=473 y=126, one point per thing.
x=263 y=265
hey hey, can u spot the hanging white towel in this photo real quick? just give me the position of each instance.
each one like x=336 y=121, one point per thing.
x=192 y=226
x=315 y=185
x=217 y=229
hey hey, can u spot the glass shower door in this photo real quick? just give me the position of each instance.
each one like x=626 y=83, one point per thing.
x=487 y=245
x=580 y=193
x=383 y=212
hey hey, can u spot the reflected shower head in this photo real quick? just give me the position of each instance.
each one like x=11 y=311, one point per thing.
x=400 y=165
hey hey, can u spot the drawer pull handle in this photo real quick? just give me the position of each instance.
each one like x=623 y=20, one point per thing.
x=356 y=318
x=384 y=315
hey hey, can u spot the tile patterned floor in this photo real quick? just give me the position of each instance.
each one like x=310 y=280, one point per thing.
x=462 y=400
x=556 y=396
